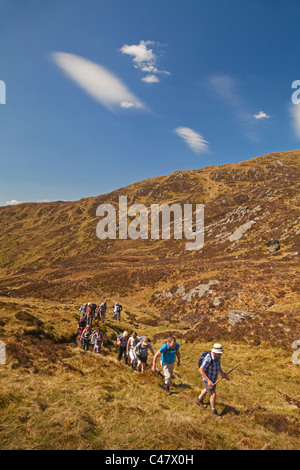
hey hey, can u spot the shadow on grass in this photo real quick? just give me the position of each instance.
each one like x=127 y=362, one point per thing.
x=183 y=386
x=229 y=410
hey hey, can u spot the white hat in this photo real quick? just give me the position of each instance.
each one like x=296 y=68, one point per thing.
x=217 y=349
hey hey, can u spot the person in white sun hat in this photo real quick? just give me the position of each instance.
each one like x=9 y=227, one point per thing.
x=210 y=369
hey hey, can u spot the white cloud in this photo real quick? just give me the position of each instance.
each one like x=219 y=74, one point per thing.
x=261 y=115
x=295 y=112
x=13 y=202
x=140 y=52
x=149 y=69
x=150 y=79
x=145 y=59
x=193 y=139
x=129 y=104
x=97 y=81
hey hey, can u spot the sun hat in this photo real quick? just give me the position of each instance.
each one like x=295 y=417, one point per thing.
x=217 y=349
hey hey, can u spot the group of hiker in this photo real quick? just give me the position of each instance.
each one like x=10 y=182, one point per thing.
x=135 y=350
x=91 y=311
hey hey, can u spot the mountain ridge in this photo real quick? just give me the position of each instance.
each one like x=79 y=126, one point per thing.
x=245 y=208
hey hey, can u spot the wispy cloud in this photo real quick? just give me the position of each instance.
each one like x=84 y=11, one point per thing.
x=145 y=59
x=261 y=115
x=227 y=88
x=193 y=139
x=295 y=113
x=97 y=81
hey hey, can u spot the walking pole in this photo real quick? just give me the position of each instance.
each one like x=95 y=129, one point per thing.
x=227 y=374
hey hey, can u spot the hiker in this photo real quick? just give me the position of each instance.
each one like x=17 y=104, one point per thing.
x=141 y=353
x=81 y=325
x=169 y=351
x=89 y=316
x=131 y=344
x=102 y=310
x=97 y=312
x=122 y=346
x=97 y=340
x=210 y=369
x=141 y=337
x=86 y=338
x=117 y=311
x=82 y=309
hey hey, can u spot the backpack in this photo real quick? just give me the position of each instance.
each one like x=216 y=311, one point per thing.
x=201 y=359
x=168 y=348
x=119 y=338
x=118 y=309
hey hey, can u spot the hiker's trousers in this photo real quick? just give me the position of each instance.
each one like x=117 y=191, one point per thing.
x=167 y=371
x=122 y=350
x=85 y=344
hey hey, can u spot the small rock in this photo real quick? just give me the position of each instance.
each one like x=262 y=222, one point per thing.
x=180 y=290
x=239 y=232
x=166 y=293
x=218 y=301
x=273 y=245
x=236 y=316
x=199 y=291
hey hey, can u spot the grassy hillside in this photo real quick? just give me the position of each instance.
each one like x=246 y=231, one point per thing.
x=53 y=395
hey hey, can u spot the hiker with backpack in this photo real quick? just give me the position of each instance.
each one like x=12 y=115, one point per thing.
x=97 y=340
x=122 y=346
x=89 y=316
x=141 y=353
x=81 y=326
x=86 y=338
x=117 y=311
x=131 y=344
x=210 y=367
x=169 y=351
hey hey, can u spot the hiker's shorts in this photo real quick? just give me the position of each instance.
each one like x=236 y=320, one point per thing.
x=209 y=389
x=142 y=359
x=167 y=371
x=132 y=356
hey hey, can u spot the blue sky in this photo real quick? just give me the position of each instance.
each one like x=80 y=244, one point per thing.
x=100 y=94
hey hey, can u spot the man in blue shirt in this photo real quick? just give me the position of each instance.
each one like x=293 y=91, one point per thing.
x=168 y=352
x=210 y=368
